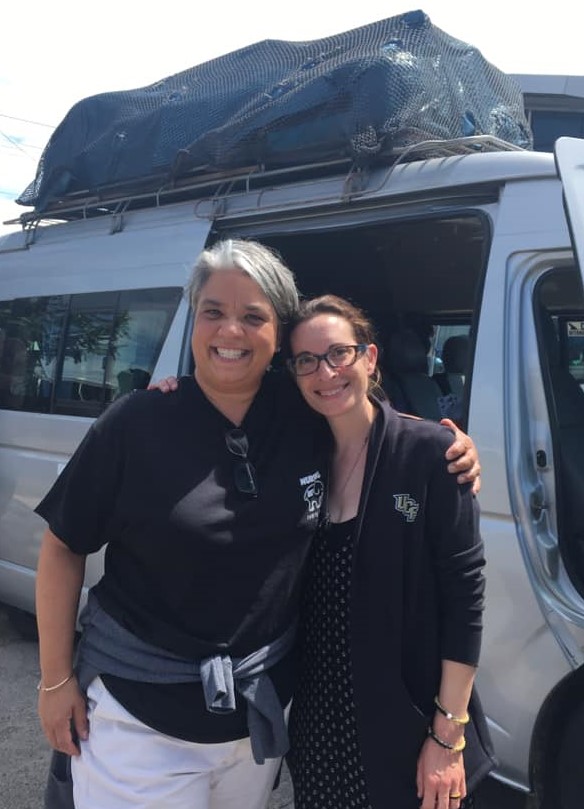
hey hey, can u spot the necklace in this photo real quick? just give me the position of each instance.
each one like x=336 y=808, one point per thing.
x=353 y=467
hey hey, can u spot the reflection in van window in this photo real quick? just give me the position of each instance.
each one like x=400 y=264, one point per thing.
x=73 y=354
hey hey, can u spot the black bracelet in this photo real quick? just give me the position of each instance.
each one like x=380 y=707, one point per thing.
x=454 y=748
x=460 y=720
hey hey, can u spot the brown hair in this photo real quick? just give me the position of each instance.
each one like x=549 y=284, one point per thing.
x=333 y=305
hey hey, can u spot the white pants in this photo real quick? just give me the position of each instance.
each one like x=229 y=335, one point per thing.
x=125 y=764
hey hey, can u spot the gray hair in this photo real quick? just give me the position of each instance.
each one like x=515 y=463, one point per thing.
x=257 y=261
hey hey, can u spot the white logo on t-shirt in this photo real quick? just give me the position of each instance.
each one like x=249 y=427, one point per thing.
x=313 y=493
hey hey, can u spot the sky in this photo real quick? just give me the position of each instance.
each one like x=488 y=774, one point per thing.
x=52 y=54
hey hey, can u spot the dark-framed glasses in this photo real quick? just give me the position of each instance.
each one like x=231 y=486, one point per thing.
x=244 y=473
x=340 y=356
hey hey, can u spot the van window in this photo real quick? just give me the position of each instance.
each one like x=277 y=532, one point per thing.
x=74 y=354
x=572 y=330
x=420 y=280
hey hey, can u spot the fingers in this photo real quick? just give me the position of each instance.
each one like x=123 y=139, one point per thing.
x=419 y=781
x=441 y=793
x=456 y=794
x=79 y=721
x=170 y=383
x=60 y=737
x=464 y=463
x=440 y=778
x=465 y=473
x=451 y=426
x=63 y=716
x=460 y=447
x=455 y=797
x=463 y=458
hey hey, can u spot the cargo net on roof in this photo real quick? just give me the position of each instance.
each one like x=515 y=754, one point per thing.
x=359 y=95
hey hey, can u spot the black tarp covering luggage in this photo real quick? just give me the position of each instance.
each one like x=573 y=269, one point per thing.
x=358 y=95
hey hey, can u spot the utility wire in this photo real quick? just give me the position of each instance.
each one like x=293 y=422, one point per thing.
x=16 y=145
x=9 y=146
x=26 y=121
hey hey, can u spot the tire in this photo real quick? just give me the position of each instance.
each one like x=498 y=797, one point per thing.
x=568 y=778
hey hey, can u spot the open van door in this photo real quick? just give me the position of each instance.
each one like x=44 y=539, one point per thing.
x=569 y=154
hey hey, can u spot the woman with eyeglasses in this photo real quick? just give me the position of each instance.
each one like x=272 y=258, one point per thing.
x=390 y=624
x=206 y=500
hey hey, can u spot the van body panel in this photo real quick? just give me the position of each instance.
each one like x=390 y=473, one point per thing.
x=154 y=249
x=514 y=231
x=520 y=659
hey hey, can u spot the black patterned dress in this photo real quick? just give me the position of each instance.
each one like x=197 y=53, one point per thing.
x=325 y=759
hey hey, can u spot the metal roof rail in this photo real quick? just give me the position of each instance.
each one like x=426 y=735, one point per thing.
x=115 y=200
x=456 y=146
x=108 y=200
x=355 y=182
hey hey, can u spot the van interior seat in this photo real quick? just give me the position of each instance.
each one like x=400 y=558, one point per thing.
x=409 y=387
x=13 y=359
x=455 y=354
x=567 y=400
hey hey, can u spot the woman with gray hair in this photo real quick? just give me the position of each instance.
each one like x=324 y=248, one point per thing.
x=206 y=501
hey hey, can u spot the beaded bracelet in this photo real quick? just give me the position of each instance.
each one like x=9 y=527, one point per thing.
x=454 y=748
x=460 y=720
x=41 y=687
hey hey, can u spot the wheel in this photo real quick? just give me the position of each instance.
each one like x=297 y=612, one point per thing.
x=569 y=776
x=557 y=772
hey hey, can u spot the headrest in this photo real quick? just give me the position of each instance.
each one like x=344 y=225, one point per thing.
x=455 y=354
x=406 y=353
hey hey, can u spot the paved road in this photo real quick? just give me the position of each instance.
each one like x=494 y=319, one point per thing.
x=24 y=753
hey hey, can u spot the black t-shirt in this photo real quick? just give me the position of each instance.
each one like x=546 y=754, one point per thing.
x=191 y=564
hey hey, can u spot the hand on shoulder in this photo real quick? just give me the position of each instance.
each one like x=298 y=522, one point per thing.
x=463 y=457
x=166 y=385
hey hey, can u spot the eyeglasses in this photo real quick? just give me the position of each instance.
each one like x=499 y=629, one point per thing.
x=336 y=357
x=244 y=474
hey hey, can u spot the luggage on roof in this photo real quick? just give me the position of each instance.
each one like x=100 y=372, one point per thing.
x=359 y=95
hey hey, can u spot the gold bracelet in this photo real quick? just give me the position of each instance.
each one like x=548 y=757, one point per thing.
x=454 y=748
x=460 y=720
x=41 y=687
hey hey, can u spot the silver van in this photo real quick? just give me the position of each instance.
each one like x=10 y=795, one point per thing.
x=467 y=262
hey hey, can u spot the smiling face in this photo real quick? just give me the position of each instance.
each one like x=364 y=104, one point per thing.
x=333 y=392
x=234 y=334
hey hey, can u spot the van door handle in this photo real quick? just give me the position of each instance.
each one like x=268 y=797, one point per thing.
x=537 y=502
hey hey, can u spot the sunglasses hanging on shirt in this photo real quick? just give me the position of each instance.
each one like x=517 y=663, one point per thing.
x=244 y=474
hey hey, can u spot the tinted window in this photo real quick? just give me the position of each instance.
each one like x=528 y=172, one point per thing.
x=75 y=354
x=549 y=126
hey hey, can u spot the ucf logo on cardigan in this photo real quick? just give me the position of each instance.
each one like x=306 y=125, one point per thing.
x=406 y=505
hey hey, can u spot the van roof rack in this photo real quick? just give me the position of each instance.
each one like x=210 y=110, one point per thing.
x=157 y=190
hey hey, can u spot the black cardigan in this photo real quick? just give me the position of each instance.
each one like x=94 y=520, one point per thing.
x=417 y=598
